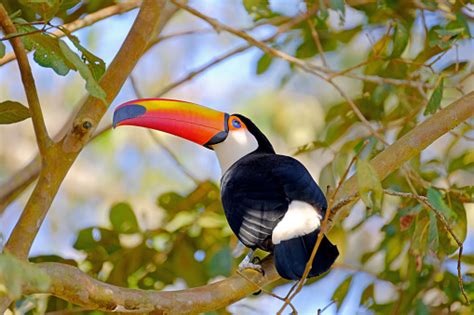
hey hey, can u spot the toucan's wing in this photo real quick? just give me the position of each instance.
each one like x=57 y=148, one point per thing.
x=298 y=184
x=257 y=190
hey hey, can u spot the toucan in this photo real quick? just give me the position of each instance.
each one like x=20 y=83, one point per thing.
x=271 y=202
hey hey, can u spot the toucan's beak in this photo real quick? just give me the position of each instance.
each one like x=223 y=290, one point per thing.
x=190 y=121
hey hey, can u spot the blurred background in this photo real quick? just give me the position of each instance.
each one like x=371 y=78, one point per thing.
x=175 y=196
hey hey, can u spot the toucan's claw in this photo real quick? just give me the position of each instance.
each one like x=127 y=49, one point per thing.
x=252 y=266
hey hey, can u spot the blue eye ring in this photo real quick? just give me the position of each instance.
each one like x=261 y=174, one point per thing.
x=236 y=123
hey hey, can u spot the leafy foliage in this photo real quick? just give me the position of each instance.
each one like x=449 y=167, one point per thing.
x=400 y=52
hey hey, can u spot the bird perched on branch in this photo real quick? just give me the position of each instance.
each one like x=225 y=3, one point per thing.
x=271 y=202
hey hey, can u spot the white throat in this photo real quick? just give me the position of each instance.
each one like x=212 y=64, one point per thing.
x=237 y=144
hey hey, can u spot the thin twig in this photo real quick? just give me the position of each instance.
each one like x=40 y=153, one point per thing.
x=29 y=86
x=276 y=296
x=317 y=42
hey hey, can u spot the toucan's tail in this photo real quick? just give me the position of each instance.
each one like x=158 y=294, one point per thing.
x=292 y=255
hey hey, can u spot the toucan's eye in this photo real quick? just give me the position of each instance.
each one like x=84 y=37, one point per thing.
x=236 y=123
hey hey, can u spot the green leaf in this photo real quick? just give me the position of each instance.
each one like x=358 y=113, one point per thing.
x=338 y=6
x=436 y=200
x=264 y=63
x=367 y=294
x=15 y=273
x=182 y=219
x=2 y=49
x=400 y=40
x=95 y=64
x=435 y=99
x=47 y=52
x=123 y=218
x=433 y=237
x=92 y=85
x=341 y=292
x=12 y=112
x=44 y=8
x=370 y=187
x=257 y=9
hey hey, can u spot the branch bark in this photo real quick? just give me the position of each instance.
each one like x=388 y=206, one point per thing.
x=79 y=288
x=42 y=138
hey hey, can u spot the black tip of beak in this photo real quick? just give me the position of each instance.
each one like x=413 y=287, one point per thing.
x=127 y=112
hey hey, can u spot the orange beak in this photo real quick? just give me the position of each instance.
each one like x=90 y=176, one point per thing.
x=190 y=121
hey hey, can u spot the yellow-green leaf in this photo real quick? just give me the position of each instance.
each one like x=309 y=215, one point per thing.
x=435 y=99
x=370 y=187
x=12 y=112
x=2 y=49
x=341 y=292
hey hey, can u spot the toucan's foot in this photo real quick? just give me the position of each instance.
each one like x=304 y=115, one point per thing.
x=251 y=262
x=249 y=265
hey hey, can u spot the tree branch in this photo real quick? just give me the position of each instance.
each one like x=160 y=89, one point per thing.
x=62 y=155
x=87 y=20
x=39 y=126
x=73 y=285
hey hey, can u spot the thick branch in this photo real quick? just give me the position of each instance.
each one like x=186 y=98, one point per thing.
x=28 y=83
x=79 y=288
x=87 y=20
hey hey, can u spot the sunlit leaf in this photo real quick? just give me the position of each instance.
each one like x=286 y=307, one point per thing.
x=123 y=218
x=367 y=294
x=257 y=9
x=181 y=219
x=15 y=273
x=2 y=49
x=435 y=99
x=264 y=63
x=370 y=187
x=12 y=112
x=420 y=235
x=341 y=292
x=92 y=85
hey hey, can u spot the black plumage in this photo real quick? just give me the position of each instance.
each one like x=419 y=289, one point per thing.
x=256 y=192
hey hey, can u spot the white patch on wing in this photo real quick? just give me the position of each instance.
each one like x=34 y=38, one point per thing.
x=237 y=144
x=300 y=219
